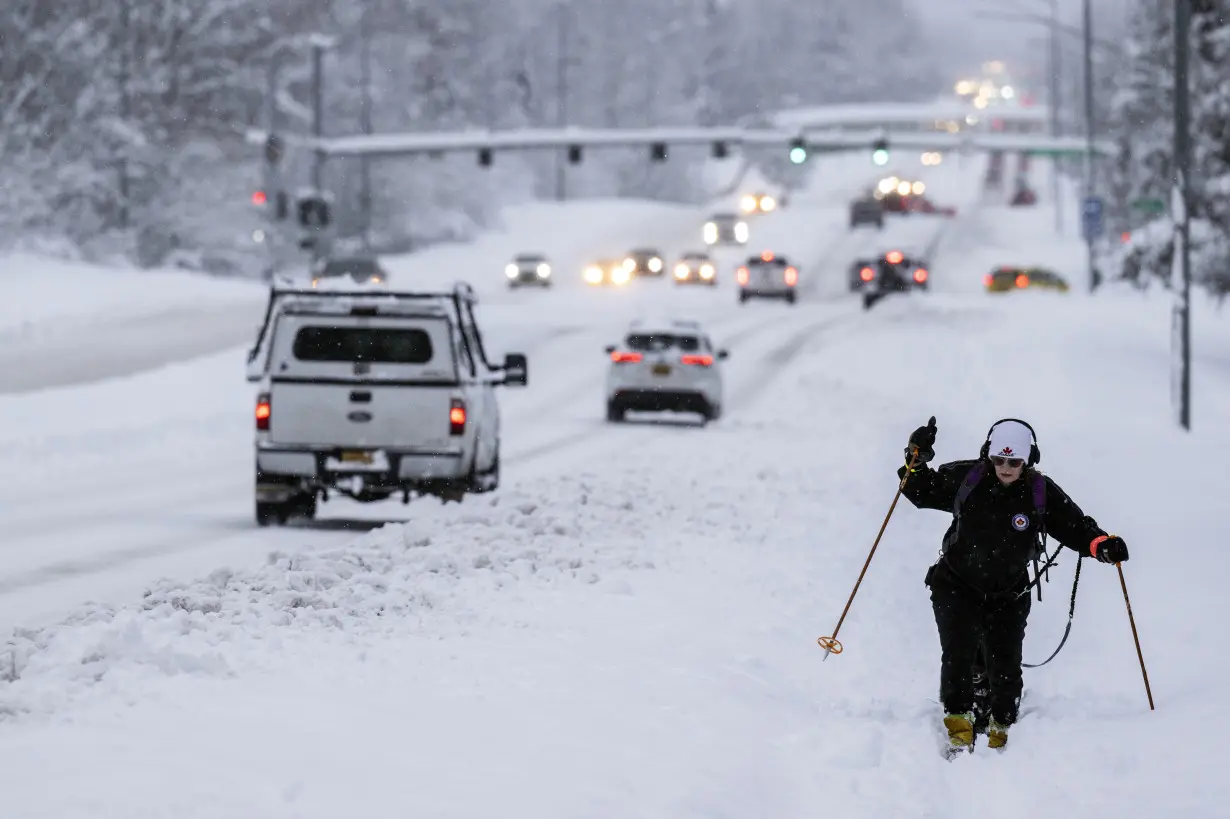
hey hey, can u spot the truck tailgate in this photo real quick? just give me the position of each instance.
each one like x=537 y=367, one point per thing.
x=362 y=415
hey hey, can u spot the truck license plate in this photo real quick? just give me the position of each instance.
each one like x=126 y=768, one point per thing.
x=356 y=456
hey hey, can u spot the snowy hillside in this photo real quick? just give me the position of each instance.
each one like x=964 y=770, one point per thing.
x=628 y=627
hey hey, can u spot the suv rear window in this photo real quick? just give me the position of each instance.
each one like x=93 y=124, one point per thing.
x=658 y=342
x=378 y=345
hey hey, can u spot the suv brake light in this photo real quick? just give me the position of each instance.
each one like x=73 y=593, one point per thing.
x=866 y=274
x=920 y=275
x=626 y=358
x=792 y=276
x=264 y=411
x=457 y=417
x=742 y=275
x=697 y=360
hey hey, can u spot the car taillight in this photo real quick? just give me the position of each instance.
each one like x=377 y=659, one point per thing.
x=264 y=411
x=457 y=417
x=1022 y=280
x=697 y=360
x=626 y=358
x=866 y=274
x=894 y=257
x=742 y=275
x=792 y=276
x=920 y=275
x=987 y=280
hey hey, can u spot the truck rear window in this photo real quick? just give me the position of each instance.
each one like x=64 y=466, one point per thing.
x=381 y=345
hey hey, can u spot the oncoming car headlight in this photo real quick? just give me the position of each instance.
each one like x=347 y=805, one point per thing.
x=706 y=271
x=741 y=233
x=768 y=203
x=681 y=271
x=511 y=271
x=620 y=275
x=593 y=274
x=655 y=265
x=544 y=270
x=748 y=203
x=711 y=233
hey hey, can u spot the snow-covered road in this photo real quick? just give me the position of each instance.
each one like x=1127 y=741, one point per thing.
x=628 y=627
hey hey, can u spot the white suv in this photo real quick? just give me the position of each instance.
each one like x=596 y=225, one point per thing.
x=665 y=367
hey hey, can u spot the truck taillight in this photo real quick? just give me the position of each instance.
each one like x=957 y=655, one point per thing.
x=742 y=275
x=792 y=276
x=697 y=360
x=457 y=417
x=264 y=411
x=866 y=274
x=920 y=275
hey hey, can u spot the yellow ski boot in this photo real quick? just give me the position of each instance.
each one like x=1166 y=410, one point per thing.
x=960 y=734
x=997 y=736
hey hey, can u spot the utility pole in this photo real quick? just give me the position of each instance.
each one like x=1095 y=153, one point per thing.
x=1181 y=326
x=561 y=109
x=365 y=115
x=318 y=111
x=1053 y=69
x=1090 y=179
x=125 y=83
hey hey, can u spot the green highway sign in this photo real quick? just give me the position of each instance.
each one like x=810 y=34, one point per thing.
x=1149 y=205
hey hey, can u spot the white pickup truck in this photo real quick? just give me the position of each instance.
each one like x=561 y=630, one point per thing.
x=372 y=393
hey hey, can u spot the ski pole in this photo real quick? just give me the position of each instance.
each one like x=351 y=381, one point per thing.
x=1135 y=636
x=830 y=644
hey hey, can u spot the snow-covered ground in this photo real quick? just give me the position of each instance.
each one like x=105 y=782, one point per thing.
x=628 y=627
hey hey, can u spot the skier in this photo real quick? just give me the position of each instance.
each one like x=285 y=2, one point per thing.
x=980 y=587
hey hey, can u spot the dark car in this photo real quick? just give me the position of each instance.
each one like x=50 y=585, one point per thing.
x=867 y=211
x=359 y=269
x=893 y=272
x=646 y=262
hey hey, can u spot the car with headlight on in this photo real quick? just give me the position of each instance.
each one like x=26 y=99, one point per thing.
x=646 y=262
x=348 y=271
x=665 y=366
x=1008 y=278
x=767 y=276
x=726 y=229
x=695 y=268
x=528 y=269
x=757 y=203
x=607 y=272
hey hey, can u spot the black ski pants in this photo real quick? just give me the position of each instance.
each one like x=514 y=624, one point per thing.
x=973 y=627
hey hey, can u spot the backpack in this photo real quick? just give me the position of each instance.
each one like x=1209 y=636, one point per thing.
x=1037 y=483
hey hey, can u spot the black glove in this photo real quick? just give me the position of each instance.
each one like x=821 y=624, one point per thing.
x=1112 y=550
x=922 y=440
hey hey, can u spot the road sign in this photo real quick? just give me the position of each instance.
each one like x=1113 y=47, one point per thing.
x=1092 y=224
x=1149 y=205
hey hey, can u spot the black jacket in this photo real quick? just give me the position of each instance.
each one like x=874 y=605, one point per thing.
x=997 y=534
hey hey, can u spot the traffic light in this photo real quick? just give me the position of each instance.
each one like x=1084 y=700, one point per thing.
x=879 y=152
x=283 y=205
x=574 y=154
x=314 y=212
x=719 y=150
x=484 y=157
x=259 y=198
x=798 y=150
x=659 y=152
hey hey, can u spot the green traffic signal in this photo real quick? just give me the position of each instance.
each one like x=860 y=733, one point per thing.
x=798 y=155
x=880 y=156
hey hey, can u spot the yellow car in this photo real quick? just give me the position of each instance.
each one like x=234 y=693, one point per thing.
x=757 y=203
x=1005 y=279
x=608 y=272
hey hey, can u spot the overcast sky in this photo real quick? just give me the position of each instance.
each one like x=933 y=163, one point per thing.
x=953 y=28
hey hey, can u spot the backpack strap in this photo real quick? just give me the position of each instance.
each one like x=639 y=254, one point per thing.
x=1038 y=480
x=972 y=478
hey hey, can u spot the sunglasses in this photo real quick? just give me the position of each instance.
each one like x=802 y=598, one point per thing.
x=1015 y=463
